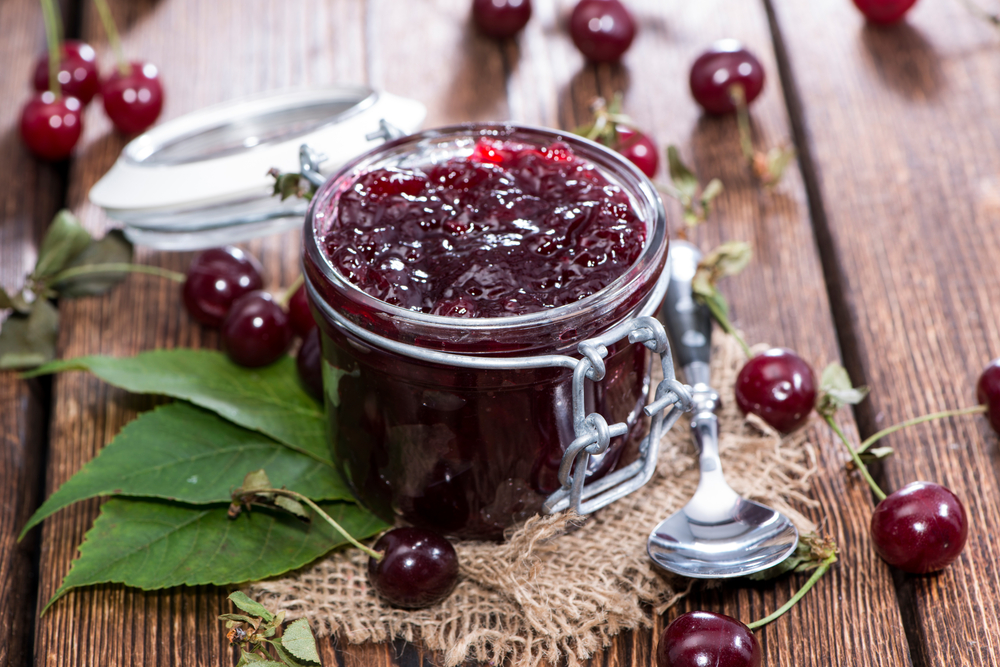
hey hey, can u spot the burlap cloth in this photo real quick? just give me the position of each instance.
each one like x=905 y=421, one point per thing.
x=548 y=594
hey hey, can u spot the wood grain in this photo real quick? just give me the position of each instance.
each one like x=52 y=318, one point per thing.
x=30 y=192
x=781 y=300
x=548 y=82
x=902 y=129
x=207 y=52
x=426 y=49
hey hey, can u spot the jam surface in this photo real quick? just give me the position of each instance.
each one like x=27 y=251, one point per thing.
x=508 y=230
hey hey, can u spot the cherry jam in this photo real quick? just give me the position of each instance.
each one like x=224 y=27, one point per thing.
x=485 y=241
x=507 y=230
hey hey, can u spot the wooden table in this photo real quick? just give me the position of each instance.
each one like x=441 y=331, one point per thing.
x=879 y=248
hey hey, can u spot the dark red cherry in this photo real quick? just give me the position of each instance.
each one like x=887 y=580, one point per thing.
x=501 y=18
x=779 y=387
x=700 y=638
x=884 y=11
x=309 y=364
x=133 y=101
x=217 y=278
x=717 y=70
x=602 y=29
x=51 y=127
x=988 y=393
x=299 y=312
x=256 y=332
x=77 y=71
x=920 y=528
x=638 y=148
x=418 y=568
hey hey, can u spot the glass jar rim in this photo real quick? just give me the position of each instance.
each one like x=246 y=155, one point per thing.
x=639 y=188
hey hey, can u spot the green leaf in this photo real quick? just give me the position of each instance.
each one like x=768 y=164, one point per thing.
x=298 y=640
x=704 y=287
x=711 y=191
x=27 y=341
x=18 y=302
x=63 y=241
x=291 y=505
x=153 y=544
x=256 y=481
x=287 y=656
x=180 y=452
x=835 y=378
x=682 y=177
x=811 y=552
x=114 y=248
x=250 y=606
x=778 y=159
x=269 y=399
x=836 y=390
x=237 y=618
x=876 y=453
x=727 y=259
x=704 y=290
x=708 y=294
x=248 y=659
x=291 y=185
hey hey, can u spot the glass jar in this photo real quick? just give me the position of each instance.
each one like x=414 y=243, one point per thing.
x=463 y=450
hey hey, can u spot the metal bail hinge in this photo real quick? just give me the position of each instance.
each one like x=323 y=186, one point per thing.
x=593 y=433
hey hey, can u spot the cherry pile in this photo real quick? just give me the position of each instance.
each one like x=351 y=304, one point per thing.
x=725 y=78
x=51 y=121
x=602 y=30
x=919 y=528
x=223 y=290
x=417 y=568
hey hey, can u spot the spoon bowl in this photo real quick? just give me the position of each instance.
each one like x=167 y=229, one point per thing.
x=751 y=538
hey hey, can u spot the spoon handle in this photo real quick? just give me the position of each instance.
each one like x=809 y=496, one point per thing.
x=689 y=322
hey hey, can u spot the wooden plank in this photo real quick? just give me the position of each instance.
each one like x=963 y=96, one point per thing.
x=781 y=300
x=206 y=52
x=902 y=128
x=549 y=83
x=210 y=52
x=30 y=192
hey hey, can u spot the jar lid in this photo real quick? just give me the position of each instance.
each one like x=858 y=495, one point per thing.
x=202 y=179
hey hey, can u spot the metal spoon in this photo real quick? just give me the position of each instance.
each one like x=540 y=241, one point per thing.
x=718 y=533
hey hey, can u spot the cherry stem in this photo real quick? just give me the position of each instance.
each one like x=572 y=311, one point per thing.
x=918 y=420
x=742 y=121
x=112 y=31
x=722 y=317
x=290 y=292
x=52 y=29
x=820 y=571
x=115 y=267
x=858 y=463
x=319 y=510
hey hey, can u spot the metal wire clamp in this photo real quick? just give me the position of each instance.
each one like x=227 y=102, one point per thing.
x=593 y=434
